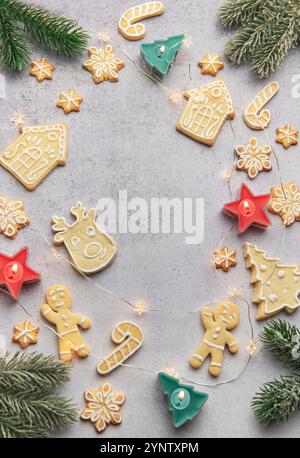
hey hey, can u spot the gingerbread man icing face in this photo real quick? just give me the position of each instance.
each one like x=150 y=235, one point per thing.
x=228 y=313
x=59 y=298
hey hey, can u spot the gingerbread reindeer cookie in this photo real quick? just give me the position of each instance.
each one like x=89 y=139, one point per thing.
x=217 y=323
x=57 y=311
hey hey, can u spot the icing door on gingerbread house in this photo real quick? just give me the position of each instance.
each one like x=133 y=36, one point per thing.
x=207 y=110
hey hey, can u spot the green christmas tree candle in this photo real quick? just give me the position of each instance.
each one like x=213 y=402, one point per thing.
x=184 y=401
x=160 y=54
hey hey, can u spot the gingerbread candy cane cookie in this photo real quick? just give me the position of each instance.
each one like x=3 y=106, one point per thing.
x=252 y=116
x=130 y=337
x=127 y=23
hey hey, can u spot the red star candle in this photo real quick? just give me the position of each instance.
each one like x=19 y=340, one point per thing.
x=249 y=209
x=14 y=272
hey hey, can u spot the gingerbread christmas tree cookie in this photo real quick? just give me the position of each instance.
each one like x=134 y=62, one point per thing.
x=35 y=153
x=277 y=286
x=12 y=217
x=285 y=202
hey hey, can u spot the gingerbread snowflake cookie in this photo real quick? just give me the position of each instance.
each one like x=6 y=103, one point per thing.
x=41 y=69
x=287 y=136
x=69 y=101
x=25 y=334
x=103 y=407
x=285 y=202
x=103 y=64
x=224 y=258
x=253 y=158
x=211 y=64
x=12 y=217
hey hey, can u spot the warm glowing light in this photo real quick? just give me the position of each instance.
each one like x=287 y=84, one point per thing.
x=14 y=268
x=187 y=40
x=235 y=292
x=162 y=49
x=141 y=308
x=104 y=36
x=175 y=95
x=55 y=253
x=181 y=395
x=247 y=207
x=171 y=372
x=251 y=348
x=227 y=174
x=18 y=120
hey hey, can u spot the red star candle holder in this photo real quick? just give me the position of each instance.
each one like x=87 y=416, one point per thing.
x=14 y=272
x=249 y=209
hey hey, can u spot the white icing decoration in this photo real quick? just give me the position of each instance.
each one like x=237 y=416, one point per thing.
x=273 y=297
x=280 y=273
x=263 y=267
x=98 y=252
x=285 y=292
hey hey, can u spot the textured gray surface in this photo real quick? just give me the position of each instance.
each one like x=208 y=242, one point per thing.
x=124 y=138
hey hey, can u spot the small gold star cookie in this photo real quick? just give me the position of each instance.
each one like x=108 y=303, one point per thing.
x=69 y=101
x=224 y=258
x=285 y=202
x=287 y=136
x=103 y=64
x=25 y=334
x=103 y=407
x=41 y=69
x=12 y=217
x=253 y=158
x=210 y=64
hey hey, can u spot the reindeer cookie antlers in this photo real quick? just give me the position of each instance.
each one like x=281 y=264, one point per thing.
x=90 y=248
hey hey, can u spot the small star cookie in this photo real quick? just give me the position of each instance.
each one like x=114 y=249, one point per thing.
x=210 y=64
x=224 y=258
x=253 y=158
x=25 y=333
x=103 y=407
x=285 y=202
x=69 y=101
x=103 y=64
x=41 y=69
x=287 y=136
x=12 y=217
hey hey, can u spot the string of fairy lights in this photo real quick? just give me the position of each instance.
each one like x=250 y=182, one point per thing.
x=140 y=308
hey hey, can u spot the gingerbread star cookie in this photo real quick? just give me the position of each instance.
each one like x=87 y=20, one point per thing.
x=103 y=64
x=224 y=258
x=12 y=217
x=287 y=136
x=211 y=64
x=253 y=158
x=285 y=202
x=102 y=407
x=69 y=101
x=41 y=69
x=25 y=334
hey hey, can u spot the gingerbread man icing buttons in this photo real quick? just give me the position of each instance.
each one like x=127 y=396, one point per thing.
x=25 y=334
x=129 y=25
x=41 y=69
x=12 y=217
x=57 y=311
x=217 y=323
x=211 y=64
x=90 y=248
x=129 y=337
x=69 y=101
x=103 y=407
x=103 y=64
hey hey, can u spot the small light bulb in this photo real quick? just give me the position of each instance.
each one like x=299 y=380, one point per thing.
x=141 y=308
x=251 y=347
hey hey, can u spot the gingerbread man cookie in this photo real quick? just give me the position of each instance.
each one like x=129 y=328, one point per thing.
x=57 y=311
x=217 y=322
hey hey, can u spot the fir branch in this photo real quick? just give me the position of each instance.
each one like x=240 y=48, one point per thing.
x=276 y=400
x=59 y=34
x=14 y=52
x=236 y=12
x=282 y=339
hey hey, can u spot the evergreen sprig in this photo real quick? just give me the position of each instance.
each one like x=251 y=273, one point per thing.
x=58 y=34
x=277 y=399
x=267 y=30
x=29 y=405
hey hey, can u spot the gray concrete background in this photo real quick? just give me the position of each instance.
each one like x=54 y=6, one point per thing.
x=124 y=138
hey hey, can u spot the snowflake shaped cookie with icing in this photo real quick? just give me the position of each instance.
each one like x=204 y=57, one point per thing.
x=285 y=202
x=41 y=69
x=12 y=217
x=253 y=158
x=69 y=101
x=287 y=136
x=210 y=65
x=25 y=333
x=103 y=407
x=103 y=64
x=224 y=258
